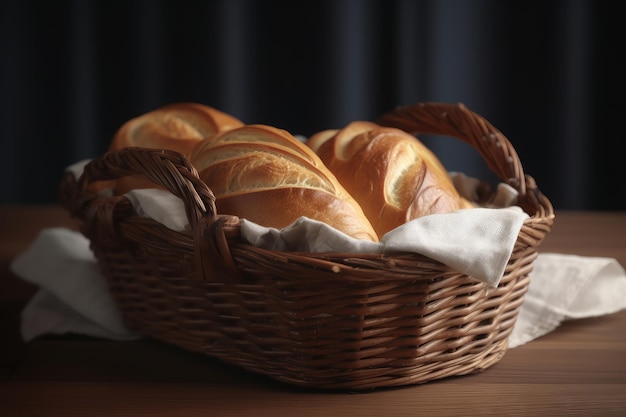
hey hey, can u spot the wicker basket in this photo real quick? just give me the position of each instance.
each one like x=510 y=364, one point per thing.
x=332 y=320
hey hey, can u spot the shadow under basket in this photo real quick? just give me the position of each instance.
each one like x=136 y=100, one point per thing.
x=319 y=320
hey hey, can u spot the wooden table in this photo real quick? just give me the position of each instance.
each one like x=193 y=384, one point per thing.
x=579 y=369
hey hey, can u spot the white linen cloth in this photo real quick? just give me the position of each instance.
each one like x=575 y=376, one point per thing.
x=567 y=287
x=73 y=295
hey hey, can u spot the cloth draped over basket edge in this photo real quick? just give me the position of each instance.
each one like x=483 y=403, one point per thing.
x=477 y=242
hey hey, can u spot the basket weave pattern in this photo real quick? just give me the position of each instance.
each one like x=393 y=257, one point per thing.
x=326 y=320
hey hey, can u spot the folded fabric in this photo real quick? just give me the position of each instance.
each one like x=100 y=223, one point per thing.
x=477 y=242
x=73 y=296
x=565 y=287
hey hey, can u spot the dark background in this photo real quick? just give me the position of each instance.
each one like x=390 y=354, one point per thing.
x=545 y=73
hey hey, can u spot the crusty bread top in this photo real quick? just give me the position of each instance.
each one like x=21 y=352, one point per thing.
x=265 y=174
x=178 y=127
x=392 y=175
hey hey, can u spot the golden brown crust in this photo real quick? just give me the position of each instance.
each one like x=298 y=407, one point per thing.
x=392 y=175
x=178 y=127
x=266 y=175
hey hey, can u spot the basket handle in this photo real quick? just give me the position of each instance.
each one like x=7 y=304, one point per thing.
x=172 y=171
x=458 y=121
x=168 y=169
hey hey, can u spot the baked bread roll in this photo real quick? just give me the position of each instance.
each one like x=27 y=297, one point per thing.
x=177 y=127
x=266 y=175
x=390 y=173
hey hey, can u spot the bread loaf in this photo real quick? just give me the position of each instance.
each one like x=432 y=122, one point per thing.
x=178 y=127
x=390 y=173
x=266 y=175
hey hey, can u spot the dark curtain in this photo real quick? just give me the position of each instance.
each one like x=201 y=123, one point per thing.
x=545 y=73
